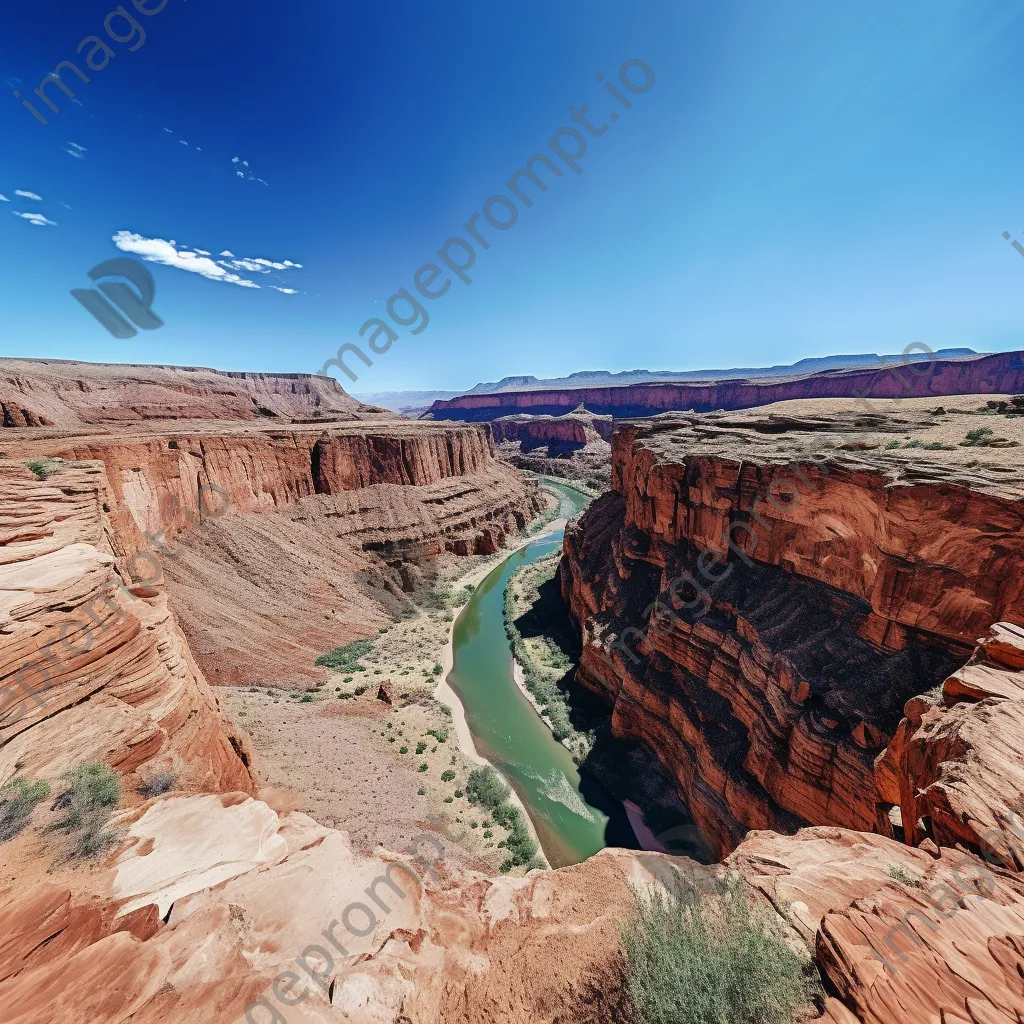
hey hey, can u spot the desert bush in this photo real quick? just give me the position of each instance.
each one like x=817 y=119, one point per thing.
x=709 y=958
x=900 y=874
x=18 y=799
x=485 y=786
x=978 y=436
x=44 y=468
x=158 y=784
x=93 y=791
x=346 y=659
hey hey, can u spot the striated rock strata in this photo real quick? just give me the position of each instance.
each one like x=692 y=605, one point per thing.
x=278 y=545
x=64 y=393
x=760 y=612
x=1002 y=373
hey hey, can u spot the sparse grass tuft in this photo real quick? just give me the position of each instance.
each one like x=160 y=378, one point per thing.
x=711 y=958
x=346 y=659
x=158 y=784
x=44 y=468
x=94 y=790
x=18 y=799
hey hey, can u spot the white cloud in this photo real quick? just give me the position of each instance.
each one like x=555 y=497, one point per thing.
x=168 y=130
x=157 y=250
x=287 y=291
x=6 y=200
x=35 y=218
x=183 y=142
x=202 y=252
x=28 y=195
x=235 y=159
x=226 y=252
x=75 y=153
x=245 y=163
x=240 y=174
x=75 y=145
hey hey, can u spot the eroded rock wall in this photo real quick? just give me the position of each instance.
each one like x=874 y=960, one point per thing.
x=65 y=393
x=761 y=619
x=1002 y=373
x=90 y=666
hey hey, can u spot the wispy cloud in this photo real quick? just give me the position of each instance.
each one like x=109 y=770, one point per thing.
x=4 y=199
x=246 y=174
x=75 y=150
x=287 y=291
x=28 y=195
x=198 y=261
x=36 y=218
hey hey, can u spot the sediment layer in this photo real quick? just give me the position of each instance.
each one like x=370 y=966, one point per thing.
x=64 y=393
x=1002 y=373
x=760 y=612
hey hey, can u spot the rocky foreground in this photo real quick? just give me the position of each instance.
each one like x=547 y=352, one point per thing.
x=216 y=903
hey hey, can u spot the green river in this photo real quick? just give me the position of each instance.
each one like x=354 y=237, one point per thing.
x=573 y=815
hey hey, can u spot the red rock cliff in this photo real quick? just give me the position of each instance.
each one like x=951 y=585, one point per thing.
x=760 y=617
x=996 y=374
x=41 y=392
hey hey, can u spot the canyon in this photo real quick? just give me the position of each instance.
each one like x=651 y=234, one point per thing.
x=841 y=709
x=1002 y=373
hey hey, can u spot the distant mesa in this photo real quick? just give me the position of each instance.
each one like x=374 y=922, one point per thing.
x=948 y=372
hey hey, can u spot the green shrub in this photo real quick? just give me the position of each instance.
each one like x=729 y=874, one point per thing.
x=437 y=670
x=484 y=786
x=404 y=750
x=18 y=799
x=420 y=747
x=441 y=735
x=346 y=659
x=447 y=775
x=710 y=958
x=421 y=791
x=902 y=875
x=978 y=436
x=93 y=791
x=360 y=690
x=306 y=699
x=423 y=767
x=469 y=588
x=44 y=468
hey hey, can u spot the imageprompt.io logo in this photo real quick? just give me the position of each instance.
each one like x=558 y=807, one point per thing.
x=136 y=307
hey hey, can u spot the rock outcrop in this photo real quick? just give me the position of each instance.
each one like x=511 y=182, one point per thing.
x=92 y=667
x=64 y=393
x=760 y=612
x=995 y=374
x=278 y=545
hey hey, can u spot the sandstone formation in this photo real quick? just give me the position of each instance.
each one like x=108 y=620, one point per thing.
x=64 y=393
x=278 y=545
x=759 y=611
x=574 y=447
x=994 y=374
x=91 y=667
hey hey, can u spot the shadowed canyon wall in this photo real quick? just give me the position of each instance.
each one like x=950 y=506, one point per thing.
x=759 y=614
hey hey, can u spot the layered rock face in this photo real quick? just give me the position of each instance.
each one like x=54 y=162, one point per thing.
x=1002 y=373
x=279 y=545
x=90 y=666
x=760 y=613
x=63 y=393
x=557 y=433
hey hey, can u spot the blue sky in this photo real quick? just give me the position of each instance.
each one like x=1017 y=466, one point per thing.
x=801 y=179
